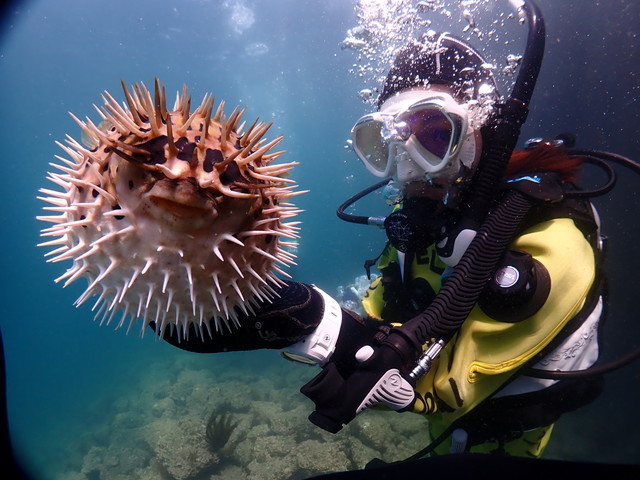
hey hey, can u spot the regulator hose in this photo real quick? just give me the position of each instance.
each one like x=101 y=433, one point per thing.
x=499 y=141
x=347 y=217
x=460 y=293
x=382 y=373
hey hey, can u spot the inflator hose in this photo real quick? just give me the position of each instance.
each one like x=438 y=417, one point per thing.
x=461 y=290
x=499 y=141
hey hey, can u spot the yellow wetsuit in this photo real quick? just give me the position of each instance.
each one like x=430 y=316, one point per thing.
x=486 y=353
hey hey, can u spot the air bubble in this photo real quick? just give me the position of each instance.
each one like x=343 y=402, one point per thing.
x=256 y=49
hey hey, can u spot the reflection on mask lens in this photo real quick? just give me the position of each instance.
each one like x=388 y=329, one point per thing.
x=425 y=131
x=432 y=129
x=371 y=145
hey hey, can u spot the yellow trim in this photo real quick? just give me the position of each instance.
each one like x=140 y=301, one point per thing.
x=568 y=258
x=372 y=301
x=421 y=267
x=530 y=444
x=486 y=353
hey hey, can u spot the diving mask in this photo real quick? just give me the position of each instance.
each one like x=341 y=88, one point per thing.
x=416 y=132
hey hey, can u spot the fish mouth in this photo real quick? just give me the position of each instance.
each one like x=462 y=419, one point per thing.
x=180 y=197
x=179 y=208
x=180 y=203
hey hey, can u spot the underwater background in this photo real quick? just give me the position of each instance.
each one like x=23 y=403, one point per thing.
x=87 y=402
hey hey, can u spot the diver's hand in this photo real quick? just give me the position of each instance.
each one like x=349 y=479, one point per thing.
x=377 y=378
x=303 y=320
x=291 y=316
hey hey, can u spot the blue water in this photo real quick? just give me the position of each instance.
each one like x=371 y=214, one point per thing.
x=282 y=59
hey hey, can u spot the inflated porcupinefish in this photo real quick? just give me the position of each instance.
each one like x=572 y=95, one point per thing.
x=172 y=216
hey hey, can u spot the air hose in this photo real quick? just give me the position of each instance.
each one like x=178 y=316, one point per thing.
x=501 y=135
x=350 y=201
x=461 y=290
x=499 y=141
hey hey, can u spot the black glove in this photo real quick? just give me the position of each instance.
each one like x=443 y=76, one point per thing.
x=291 y=317
x=297 y=319
x=377 y=376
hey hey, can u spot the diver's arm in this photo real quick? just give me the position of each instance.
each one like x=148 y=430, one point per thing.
x=302 y=319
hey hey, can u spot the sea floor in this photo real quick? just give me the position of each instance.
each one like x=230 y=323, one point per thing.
x=158 y=430
x=155 y=427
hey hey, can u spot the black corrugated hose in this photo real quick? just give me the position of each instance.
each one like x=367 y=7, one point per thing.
x=461 y=290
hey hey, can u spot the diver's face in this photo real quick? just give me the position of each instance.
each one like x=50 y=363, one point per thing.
x=421 y=134
x=434 y=194
x=406 y=169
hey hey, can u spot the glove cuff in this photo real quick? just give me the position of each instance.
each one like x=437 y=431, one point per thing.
x=317 y=347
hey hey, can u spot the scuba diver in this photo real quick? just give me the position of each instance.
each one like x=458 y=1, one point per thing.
x=490 y=285
x=543 y=301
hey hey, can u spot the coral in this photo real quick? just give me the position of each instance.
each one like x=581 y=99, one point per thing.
x=180 y=451
x=225 y=421
x=115 y=461
x=220 y=428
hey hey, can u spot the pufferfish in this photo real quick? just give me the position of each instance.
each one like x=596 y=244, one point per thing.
x=173 y=217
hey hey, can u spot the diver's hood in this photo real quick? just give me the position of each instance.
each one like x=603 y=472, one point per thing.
x=447 y=60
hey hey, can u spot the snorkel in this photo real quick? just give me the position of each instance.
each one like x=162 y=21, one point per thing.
x=501 y=134
x=387 y=372
x=499 y=138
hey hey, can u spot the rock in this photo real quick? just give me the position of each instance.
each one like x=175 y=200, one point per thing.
x=179 y=446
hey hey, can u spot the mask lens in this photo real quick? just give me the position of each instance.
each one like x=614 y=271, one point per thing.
x=432 y=129
x=370 y=145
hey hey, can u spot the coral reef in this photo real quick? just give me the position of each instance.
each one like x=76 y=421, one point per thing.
x=200 y=417
x=180 y=449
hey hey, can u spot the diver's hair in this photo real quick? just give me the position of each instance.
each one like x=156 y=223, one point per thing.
x=545 y=158
x=446 y=61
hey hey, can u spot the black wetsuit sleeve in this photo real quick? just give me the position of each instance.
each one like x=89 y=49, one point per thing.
x=293 y=314
x=290 y=317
